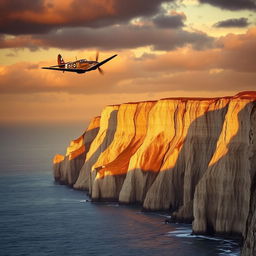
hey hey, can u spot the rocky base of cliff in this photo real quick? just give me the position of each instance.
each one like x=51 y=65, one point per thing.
x=249 y=247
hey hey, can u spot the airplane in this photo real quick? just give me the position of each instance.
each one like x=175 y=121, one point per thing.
x=79 y=66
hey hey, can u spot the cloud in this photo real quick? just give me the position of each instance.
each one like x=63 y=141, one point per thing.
x=20 y=42
x=191 y=81
x=11 y=20
x=21 y=5
x=232 y=52
x=239 y=51
x=76 y=110
x=185 y=68
x=41 y=16
x=232 y=4
x=132 y=80
x=233 y=23
x=169 y=21
x=28 y=78
x=114 y=37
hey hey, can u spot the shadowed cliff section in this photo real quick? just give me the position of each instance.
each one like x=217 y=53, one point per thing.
x=194 y=156
x=101 y=142
x=67 y=168
x=249 y=247
x=190 y=156
x=222 y=195
x=175 y=145
x=113 y=164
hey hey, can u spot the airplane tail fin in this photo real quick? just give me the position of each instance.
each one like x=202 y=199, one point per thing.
x=60 y=61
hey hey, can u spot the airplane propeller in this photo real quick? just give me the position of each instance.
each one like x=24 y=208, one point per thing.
x=99 y=69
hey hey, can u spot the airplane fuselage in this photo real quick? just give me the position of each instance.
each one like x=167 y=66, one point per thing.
x=81 y=64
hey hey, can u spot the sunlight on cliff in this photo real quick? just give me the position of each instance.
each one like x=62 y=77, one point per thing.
x=149 y=136
x=58 y=158
x=104 y=126
x=132 y=118
x=230 y=129
x=75 y=148
x=231 y=125
x=95 y=123
x=162 y=132
x=187 y=155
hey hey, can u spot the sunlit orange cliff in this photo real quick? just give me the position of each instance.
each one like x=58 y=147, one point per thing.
x=194 y=157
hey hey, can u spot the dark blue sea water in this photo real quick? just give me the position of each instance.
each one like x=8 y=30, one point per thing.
x=38 y=217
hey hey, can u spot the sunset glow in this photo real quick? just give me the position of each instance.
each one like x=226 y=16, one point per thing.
x=165 y=49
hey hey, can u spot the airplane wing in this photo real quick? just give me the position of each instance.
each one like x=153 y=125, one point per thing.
x=61 y=65
x=66 y=69
x=101 y=63
x=80 y=70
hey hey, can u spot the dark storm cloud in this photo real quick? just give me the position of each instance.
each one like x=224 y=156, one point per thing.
x=232 y=4
x=41 y=16
x=233 y=23
x=164 y=21
x=11 y=23
x=17 y=27
x=123 y=37
x=7 y=6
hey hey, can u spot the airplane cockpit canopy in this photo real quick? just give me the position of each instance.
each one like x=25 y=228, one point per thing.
x=83 y=61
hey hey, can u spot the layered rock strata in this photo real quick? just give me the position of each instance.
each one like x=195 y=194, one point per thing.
x=194 y=157
x=67 y=168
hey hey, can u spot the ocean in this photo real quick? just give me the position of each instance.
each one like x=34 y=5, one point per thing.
x=39 y=217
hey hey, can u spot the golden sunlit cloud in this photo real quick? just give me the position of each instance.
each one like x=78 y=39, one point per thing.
x=164 y=49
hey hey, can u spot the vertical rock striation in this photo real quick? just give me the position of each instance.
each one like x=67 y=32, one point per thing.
x=113 y=164
x=249 y=247
x=193 y=157
x=67 y=168
x=108 y=123
x=222 y=194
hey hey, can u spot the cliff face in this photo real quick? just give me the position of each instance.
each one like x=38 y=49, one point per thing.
x=192 y=157
x=250 y=230
x=67 y=168
x=249 y=247
x=100 y=143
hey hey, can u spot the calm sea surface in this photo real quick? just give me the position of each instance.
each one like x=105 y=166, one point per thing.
x=38 y=217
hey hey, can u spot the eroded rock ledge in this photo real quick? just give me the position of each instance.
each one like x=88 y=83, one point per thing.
x=194 y=157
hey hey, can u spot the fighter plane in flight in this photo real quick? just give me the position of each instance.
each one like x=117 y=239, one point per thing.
x=79 y=66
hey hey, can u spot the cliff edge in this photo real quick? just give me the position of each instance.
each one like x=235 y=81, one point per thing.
x=194 y=157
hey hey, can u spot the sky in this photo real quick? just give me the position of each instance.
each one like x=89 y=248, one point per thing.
x=190 y=48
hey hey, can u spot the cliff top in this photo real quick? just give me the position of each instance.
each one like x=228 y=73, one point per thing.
x=242 y=95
